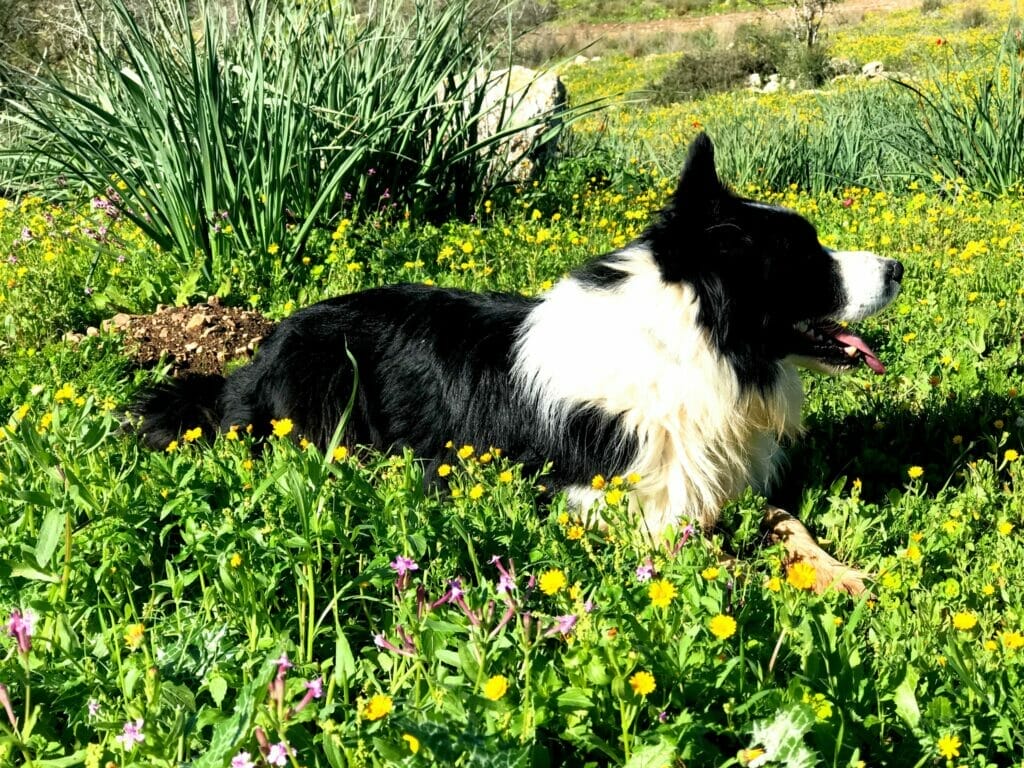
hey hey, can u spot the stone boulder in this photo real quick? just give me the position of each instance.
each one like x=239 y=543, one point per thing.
x=512 y=98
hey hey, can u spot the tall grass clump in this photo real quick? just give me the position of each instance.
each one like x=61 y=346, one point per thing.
x=971 y=130
x=232 y=141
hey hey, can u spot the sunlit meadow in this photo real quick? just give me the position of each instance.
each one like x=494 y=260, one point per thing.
x=213 y=605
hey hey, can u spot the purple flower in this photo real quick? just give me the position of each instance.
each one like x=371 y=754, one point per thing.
x=21 y=626
x=644 y=572
x=563 y=625
x=687 y=533
x=278 y=754
x=384 y=644
x=371 y=172
x=315 y=687
x=455 y=595
x=26 y=234
x=314 y=690
x=402 y=565
x=275 y=687
x=505 y=619
x=242 y=760
x=94 y=708
x=12 y=259
x=5 y=701
x=131 y=735
x=506 y=580
x=663 y=716
x=589 y=606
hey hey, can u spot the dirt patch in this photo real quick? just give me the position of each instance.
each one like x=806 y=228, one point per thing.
x=197 y=339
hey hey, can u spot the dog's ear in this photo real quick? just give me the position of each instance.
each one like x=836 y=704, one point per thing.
x=698 y=182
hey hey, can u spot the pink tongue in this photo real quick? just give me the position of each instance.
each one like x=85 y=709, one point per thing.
x=870 y=358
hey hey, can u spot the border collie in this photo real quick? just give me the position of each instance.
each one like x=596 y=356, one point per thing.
x=675 y=358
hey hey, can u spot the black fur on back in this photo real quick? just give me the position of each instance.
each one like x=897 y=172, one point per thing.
x=433 y=365
x=164 y=411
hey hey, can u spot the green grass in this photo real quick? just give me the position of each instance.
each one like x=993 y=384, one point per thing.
x=167 y=586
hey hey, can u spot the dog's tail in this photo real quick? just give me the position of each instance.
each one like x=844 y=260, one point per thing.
x=163 y=412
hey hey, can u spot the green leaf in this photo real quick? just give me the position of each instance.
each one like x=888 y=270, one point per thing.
x=658 y=755
x=574 y=698
x=25 y=571
x=905 y=699
x=49 y=536
x=218 y=688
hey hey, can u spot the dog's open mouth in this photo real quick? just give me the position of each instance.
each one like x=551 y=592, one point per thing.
x=832 y=345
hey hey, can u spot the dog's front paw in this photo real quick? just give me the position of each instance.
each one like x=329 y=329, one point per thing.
x=801 y=547
x=829 y=573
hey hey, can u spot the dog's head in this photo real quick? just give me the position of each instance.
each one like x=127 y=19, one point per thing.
x=767 y=288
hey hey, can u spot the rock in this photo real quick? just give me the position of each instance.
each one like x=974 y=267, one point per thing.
x=754 y=81
x=92 y=330
x=73 y=338
x=873 y=69
x=196 y=322
x=842 y=66
x=514 y=97
x=118 y=322
x=771 y=86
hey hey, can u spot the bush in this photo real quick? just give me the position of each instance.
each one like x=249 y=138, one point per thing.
x=239 y=146
x=973 y=17
x=716 y=68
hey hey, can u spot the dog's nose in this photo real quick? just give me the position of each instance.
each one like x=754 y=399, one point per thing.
x=894 y=270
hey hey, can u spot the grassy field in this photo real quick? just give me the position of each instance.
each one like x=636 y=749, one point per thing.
x=212 y=606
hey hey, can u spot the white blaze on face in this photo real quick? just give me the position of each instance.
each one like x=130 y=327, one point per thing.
x=867 y=283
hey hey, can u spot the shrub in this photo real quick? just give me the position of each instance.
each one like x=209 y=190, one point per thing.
x=931 y=6
x=715 y=68
x=241 y=141
x=973 y=17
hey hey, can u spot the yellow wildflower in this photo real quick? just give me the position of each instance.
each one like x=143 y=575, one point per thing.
x=964 y=621
x=496 y=687
x=444 y=470
x=661 y=592
x=282 y=427
x=476 y=491
x=642 y=683
x=377 y=707
x=340 y=453
x=133 y=635
x=552 y=581
x=915 y=472
x=193 y=434
x=722 y=626
x=505 y=477
x=465 y=452
x=412 y=741
x=948 y=746
x=710 y=573
x=801 y=575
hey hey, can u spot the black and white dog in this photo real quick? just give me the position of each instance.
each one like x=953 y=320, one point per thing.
x=675 y=358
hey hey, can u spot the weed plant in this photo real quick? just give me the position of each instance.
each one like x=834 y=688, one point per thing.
x=237 y=144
